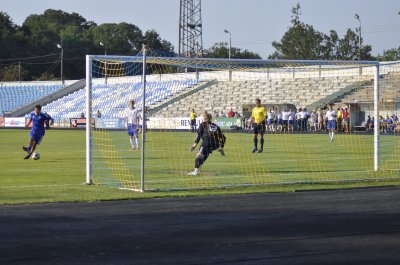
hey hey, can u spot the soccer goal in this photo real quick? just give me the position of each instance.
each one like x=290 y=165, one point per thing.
x=296 y=96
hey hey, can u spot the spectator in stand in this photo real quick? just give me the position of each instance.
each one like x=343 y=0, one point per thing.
x=211 y=116
x=346 y=120
x=216 y=114
x=320 y=119
x=82 y=115
x=291 y=120
x=303 y=119
x=298 y=119
x=397 y=128
x=313 y=120
x=222 y=114
x=98 y=114
x=231 y=113
x=285 y=118
x=389 y=124
x=245 y=123
x=339 y=119
x=270 y=120
x=394 y=117
x=3 y=114
x=396 y=124
x=279 y=121
x=382 y=124
x=370 y=123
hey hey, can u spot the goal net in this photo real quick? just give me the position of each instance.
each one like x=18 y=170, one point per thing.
x=296 y=95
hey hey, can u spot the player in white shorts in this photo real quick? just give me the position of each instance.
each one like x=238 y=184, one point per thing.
x=291 y=119
x=279 y=121
x=132 y=119
x=331 y=122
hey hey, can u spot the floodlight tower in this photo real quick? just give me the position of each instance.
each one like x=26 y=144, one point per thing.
x=190 y=29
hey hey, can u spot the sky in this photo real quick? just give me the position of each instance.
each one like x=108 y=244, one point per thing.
x=254 y=24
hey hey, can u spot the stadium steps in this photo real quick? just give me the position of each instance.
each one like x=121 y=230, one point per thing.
x=173 y=100
x=389 y=87
x=339 y=95
x=50 y=98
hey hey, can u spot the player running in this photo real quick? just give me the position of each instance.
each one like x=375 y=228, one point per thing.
x=37 y=132
x=258 y=116
x=213 y=139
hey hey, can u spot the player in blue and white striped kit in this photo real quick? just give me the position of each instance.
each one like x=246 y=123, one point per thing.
x=37 y=132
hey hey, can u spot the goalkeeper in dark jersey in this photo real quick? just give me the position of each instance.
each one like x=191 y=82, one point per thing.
x=213 y=139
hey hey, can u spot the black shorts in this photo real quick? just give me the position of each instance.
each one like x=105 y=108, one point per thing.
x=259 y=128
x=206 y=150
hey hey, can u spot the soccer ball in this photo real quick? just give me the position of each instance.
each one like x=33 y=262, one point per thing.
x=35 y=156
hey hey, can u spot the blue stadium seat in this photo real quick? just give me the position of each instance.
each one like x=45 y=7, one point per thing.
x=112 y=99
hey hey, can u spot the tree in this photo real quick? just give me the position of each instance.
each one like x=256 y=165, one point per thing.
x=221 y=50
x=13 y=72
x=153 y=40
x=118 y=39
x=13 y=44
x=46 y=31
x=303 y=42
x=390 y=55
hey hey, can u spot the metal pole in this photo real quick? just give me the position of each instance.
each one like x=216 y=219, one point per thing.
x=229 y=53
x=356 y=16
x=19 y=71
x=105 y=61
x=359 y=40
x=143 y=115
x=62 y=62
x=89 y=178
x=230 y=45
x=376 y=114
x=105 y=54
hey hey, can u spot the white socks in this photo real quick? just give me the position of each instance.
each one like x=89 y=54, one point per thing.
x=331 y=134
x=134 y=141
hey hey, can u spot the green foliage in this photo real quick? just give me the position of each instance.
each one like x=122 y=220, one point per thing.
x=122 y=38
x=390 y=55
x=303 y=42
x=152 y=39
x=13 y=72
x=221 y=50
x=40 y=34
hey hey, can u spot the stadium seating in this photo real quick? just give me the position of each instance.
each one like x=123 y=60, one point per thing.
x=15 y=96
x=301 y=92
x=174 y=98
x=389 y=85
x=112 y=99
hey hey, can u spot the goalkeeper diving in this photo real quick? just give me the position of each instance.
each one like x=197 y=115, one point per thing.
x=212 y=139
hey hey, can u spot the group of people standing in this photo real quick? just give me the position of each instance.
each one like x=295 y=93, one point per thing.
x=302 y=120
x=260 y=121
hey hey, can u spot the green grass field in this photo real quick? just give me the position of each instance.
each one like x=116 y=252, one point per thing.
x=289 y=162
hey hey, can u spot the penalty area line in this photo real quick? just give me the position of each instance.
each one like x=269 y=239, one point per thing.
x=40 y=186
